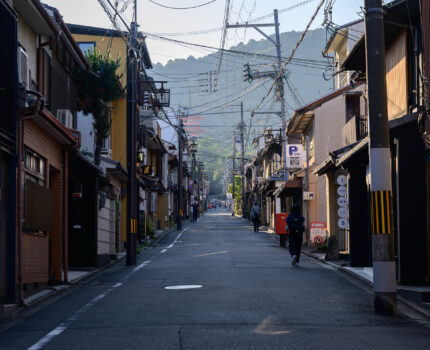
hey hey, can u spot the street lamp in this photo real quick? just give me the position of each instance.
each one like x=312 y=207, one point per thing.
x=162 y=95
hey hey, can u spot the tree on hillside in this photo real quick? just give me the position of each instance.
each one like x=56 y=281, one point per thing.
x=237 y=192
x=96 y=89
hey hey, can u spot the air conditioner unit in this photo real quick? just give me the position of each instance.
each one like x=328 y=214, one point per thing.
x=65 y=117
x=24 y=75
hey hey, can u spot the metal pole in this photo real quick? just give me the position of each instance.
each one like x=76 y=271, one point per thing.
x=232 y=177
x=180 y=176
x=242 y=141
x=132 y=190
x=281 y=91
x=384 y=268
x=202 y=201
x=193 y=175
x=307 y=189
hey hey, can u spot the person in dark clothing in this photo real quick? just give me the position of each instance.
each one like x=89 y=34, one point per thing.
x=255 y=217
x=195 y=210
x=295 y=228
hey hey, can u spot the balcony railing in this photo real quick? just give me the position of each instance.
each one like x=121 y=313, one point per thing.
x=362 y=122
x=355 y=130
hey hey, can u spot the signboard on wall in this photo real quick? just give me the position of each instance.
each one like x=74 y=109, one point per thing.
x=308 y=196
x=318 y=232
x=342 y=202
x=295 y=155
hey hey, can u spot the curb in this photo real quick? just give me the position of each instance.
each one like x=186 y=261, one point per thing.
x=51 y=291
x=401 y=299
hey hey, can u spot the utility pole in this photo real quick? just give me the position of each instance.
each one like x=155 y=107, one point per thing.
x=384 y=269
x=280 y=81
x=232 y=172
x=307 y=189
x=180 y=177
x=242 y=141
x=281 y=94
x=132 y=189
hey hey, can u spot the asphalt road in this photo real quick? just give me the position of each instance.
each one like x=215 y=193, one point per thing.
x=250 y=298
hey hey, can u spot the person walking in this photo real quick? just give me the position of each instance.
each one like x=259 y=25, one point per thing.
x=295 y=228
x=255 y=216
x=195 y=210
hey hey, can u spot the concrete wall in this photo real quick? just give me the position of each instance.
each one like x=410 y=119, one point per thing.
x=106 y=231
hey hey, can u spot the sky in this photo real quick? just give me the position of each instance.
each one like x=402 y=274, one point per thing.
x=153 y=18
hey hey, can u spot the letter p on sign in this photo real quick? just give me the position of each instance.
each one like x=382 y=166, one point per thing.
x=292 y=150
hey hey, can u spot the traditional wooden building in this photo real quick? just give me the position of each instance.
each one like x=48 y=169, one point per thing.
x=8 y=157
x=48 y=59
x=406 y=114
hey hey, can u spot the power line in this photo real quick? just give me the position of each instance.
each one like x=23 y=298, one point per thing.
x=181 y=8
x=222 y=43
x=281 y=71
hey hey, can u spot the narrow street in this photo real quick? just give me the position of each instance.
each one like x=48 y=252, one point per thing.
x=250 y=298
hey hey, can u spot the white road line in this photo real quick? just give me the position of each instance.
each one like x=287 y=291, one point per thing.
x=64 y=325
x=208 y=254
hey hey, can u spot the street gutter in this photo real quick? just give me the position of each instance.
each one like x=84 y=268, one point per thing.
x=403 y=300
x=14 y=309
x=321 y=258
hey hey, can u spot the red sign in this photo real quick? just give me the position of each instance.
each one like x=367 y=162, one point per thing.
x=318 y=232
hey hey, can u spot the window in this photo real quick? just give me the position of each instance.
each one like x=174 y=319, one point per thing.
x=352 y=103
x=85 y=46
x=38 y=200
x=35 y=167
x=276 y=163
x=309 y=134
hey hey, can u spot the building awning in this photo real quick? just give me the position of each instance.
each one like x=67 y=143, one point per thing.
x=326 y=166
x=341 y=156
x=398 y=15
x=359 y=147
x=54 y=128
x=285 y=189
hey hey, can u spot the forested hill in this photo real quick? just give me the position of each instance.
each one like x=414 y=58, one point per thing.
x=190 y=79
x=191 y=82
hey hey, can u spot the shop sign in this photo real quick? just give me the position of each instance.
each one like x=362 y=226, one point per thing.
x=342 y=202
x=295 y=155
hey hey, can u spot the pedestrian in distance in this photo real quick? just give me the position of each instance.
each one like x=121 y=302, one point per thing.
x=195 y=210
x=295 y=227
x=255 y=217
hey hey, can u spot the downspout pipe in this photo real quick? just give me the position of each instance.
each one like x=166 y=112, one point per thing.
x=19 y=201
x=65 y=215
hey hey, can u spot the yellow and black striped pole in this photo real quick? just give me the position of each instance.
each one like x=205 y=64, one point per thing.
x=384 y=269
x=380 y=206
